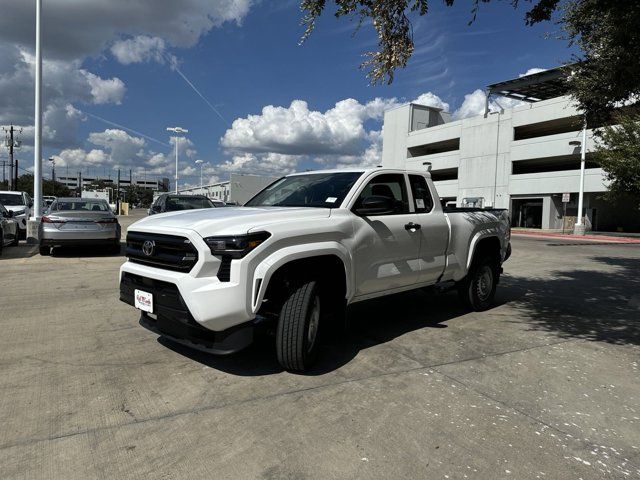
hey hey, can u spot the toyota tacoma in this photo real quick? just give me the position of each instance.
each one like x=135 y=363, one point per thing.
x=299 y=252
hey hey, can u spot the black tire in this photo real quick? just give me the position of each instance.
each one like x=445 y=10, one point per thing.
x=15 y=240
x=44 y=250
x=1 y=241
x=478 y=289
x=297 y=335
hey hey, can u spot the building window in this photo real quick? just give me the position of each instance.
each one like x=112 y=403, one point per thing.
x=444 y=174
x=435 y=147
x=551 y=164
x=550 y=127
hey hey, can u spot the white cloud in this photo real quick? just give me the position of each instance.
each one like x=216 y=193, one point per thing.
x=123 y=148
x=78 y=157
x=76 y=29
x=432 y=100
x=141 y=48
x=110 y=90
x=474 y=104
x=532 y=71
x=296 y=130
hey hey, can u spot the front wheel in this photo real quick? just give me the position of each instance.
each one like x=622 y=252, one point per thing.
x=478 y=289
x=298 y=327
x=44 y=250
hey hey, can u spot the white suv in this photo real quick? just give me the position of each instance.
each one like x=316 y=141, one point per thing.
x=20 y=204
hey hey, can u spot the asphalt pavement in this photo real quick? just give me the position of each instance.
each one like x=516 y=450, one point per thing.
x=545 y=385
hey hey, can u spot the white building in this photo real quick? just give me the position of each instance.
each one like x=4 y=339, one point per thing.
x=238 y=189
x=522 y=159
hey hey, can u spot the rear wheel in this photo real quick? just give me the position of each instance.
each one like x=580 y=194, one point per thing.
x=45 y=250
x=298 y=327
x=478 y=289
x=15 y=240
x=1 y=240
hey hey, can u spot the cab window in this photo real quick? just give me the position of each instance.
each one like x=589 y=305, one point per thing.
x=421 y=194
x=391 y=185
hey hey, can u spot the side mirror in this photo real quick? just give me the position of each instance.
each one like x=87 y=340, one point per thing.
x=9 y=214
x=156 y=209
x=375 y=205
x=30 y=203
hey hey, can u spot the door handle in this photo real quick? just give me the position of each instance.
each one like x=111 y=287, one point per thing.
x=412 y=226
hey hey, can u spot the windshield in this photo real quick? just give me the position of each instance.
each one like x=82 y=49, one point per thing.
x=79 y=206
x=11 y=199
x=187 y=203
x=323 y=190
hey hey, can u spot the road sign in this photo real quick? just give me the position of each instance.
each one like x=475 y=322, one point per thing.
x=566 y=197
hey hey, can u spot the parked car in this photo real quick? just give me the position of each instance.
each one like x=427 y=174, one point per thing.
x=8 y=228
x=174 y=202
x=79 y=221
x=48 y=200
x=300 y=251
x=20 y=204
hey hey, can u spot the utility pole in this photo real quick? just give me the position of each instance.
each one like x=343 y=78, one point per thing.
x=12 y=144
x=53 y=173
x=4 y=178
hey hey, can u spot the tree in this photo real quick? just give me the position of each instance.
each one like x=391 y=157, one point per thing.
x=618 y=153
x=608 y=72
x=25 y=184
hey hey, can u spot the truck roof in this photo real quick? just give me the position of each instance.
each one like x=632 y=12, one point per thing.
x=361 y=170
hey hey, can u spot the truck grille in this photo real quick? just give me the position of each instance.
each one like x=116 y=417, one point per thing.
x=170 y=252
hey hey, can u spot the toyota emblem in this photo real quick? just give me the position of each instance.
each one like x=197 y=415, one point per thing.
x=148 y=247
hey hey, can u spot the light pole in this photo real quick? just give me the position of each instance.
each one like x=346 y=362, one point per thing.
x=32 y=232
x=200 y=162
x=579 y=228
x=177 y=131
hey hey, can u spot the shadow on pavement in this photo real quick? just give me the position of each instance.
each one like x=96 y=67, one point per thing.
x=590 y=304
x=597 y=305
x=369 y=323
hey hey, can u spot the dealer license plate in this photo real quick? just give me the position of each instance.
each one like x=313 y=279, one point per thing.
x=144 y=301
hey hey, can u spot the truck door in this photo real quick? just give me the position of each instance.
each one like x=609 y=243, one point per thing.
x=434 y=230
x=386 y=247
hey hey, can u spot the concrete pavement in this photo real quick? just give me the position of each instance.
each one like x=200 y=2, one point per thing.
x=544 y=385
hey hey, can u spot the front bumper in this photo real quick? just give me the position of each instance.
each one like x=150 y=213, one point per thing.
x=171 y=318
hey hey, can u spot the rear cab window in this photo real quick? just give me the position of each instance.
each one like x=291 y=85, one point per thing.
x=422 y=199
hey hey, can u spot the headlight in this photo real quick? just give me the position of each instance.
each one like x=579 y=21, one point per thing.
x=236 y=246
x=18 y=212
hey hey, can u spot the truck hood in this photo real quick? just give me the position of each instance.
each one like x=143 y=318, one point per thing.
x=227 y=220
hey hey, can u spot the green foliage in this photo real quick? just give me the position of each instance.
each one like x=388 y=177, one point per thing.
x=137 y=195
x=390 y=18
x=609 y=73
x=618 y=153
x=25 y=184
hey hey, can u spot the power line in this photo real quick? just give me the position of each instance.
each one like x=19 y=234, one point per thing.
x=174 y=66
x=114 y=124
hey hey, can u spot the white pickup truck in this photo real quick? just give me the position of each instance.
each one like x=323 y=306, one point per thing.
x=299 y=252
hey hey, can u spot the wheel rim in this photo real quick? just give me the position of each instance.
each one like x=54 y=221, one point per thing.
x=484 y=283
x=314 y=323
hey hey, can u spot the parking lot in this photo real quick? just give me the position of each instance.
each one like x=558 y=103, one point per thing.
x=544 y=385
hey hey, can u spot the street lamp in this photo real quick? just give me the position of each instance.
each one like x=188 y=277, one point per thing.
x=200 y=162
x=177 y=131
x=579 y=228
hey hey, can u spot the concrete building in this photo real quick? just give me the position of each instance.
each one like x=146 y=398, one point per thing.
x=524 y=158
x=238 y=189
x=160 y=185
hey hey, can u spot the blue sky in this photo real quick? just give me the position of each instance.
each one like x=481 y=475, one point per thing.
x=244 y=57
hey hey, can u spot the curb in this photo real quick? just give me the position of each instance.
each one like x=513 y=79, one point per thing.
x=583 y=238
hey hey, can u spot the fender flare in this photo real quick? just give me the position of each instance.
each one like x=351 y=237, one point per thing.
x=481 y=235
x=265 y=270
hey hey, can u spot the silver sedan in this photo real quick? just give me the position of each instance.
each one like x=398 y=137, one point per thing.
x=79 y=221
